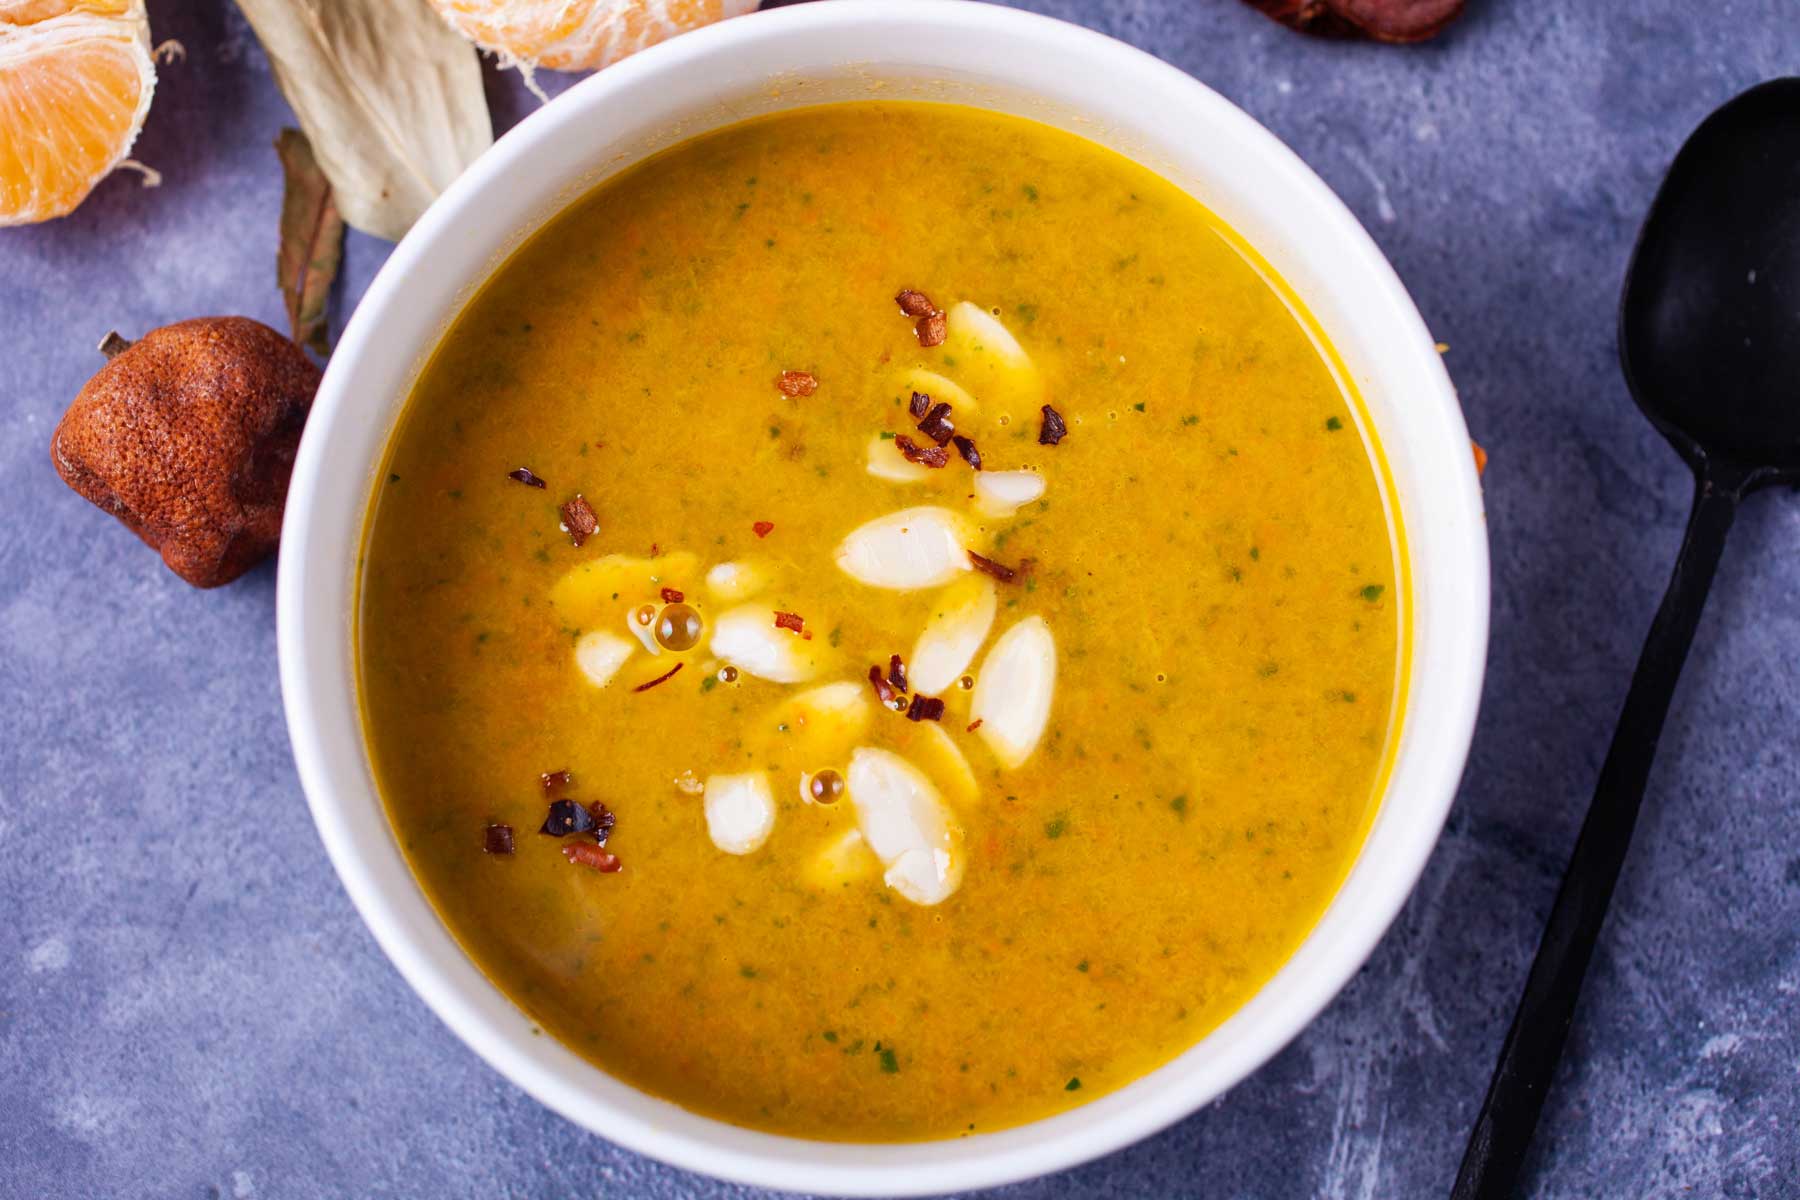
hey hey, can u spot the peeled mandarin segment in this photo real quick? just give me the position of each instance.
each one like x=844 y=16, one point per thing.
x=600 y=655
x=1013 y=691
x=960 y=619
x=597 y=590
x=989 y=358
x=748 y=638
x=841 y=860
x=886 y=462
x=75 y=86
x=740 y=812
x=906 y=823
x=579 y=35
x=913 y=548
x=1000 y=494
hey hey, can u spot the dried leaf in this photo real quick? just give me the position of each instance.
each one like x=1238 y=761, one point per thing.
x=312 y=242
x=388 y=94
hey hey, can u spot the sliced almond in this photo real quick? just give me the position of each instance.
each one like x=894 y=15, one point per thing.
x=729 y=582
x=590 y=593
x=600 y=655
x=907 y=824
x=886 y=462
x=928 y=745
x=961 y=616
x=842 y=860
x=748 y=638
x=740 y=812
x=941 y=389
x=1002 y=493
x=989 y=359
x=913 y=548
x=1013 y=691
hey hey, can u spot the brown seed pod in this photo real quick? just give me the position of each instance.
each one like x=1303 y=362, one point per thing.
x=188 y=437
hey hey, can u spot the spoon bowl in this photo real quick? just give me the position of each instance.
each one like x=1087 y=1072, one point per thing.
x=1709 y=326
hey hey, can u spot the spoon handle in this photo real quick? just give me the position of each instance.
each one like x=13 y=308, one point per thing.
x=1509 y=1114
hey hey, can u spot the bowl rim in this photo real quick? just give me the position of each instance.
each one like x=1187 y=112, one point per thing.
x=458 y=994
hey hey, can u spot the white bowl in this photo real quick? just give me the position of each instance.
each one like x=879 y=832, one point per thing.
x=850 y=49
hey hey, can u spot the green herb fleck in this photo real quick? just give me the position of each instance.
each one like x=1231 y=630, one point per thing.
x=774 y=431
x=747 y=971
x=393 y=478
x=1082 y=966
x=1332 y=424
x=1031 y=193
x=1179 y=805
x=1139 y=406
x=1191 y=419
x=1056 y=826
x=830 y=1035
x=889 y=1064
x=1074 y=1084
x=1373 y=592
x=886 y=436
x=709 y=683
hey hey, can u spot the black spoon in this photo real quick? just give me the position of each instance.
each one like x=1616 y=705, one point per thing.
x=1709 y=336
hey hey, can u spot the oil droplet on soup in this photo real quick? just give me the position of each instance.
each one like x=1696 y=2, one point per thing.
x=1184 y=543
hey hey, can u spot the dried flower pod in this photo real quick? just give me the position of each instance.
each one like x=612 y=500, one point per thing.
x=188 y=437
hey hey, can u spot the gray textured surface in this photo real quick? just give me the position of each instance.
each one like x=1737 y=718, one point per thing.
x=189 y=1007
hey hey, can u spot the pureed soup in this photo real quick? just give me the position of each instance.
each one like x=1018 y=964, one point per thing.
x=878 y=623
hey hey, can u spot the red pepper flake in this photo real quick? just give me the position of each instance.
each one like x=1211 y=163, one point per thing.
x=1054 y=430
x=554 y=781
x=796 y=383
x=966 y=448
x=932 y=330
x=974 y=725
x=498 y=839
x=988 y=566
x=671 y=596
x=763 y=528
x=578 y=520
x=566 y=817
x=604 y=820
x=937 y=424
x=663 y=678
x=788 y=620
x=524 y=476
x=925 y=708
x=884 y=691
x=919 y=405
x=915 y=304
x=896 y=672
x=925 y=456
x=596 y=858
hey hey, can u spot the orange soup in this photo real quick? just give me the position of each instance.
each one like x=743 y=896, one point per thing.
x=879 y=623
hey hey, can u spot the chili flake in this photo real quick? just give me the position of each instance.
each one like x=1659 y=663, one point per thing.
x=919 y=405
x=796 y=383
x=762 y=529
x=663 y=678
x=579 y=520
x=937 y=424
x=966 y=448
x=932 y=329
x=925 y=708
x=498 y=839
x=566 y=817
x=1054 y=429
x=554 y=781
x=788 y=620
x=915 y=304
x=884 y=691
x=988 y=566
x=524 y=476
x=593 y=857
x=925 y=456
x=604 y=820
x=896 y=672
x=671 y=596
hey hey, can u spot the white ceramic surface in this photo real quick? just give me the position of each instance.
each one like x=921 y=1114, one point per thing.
x=894 y=49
